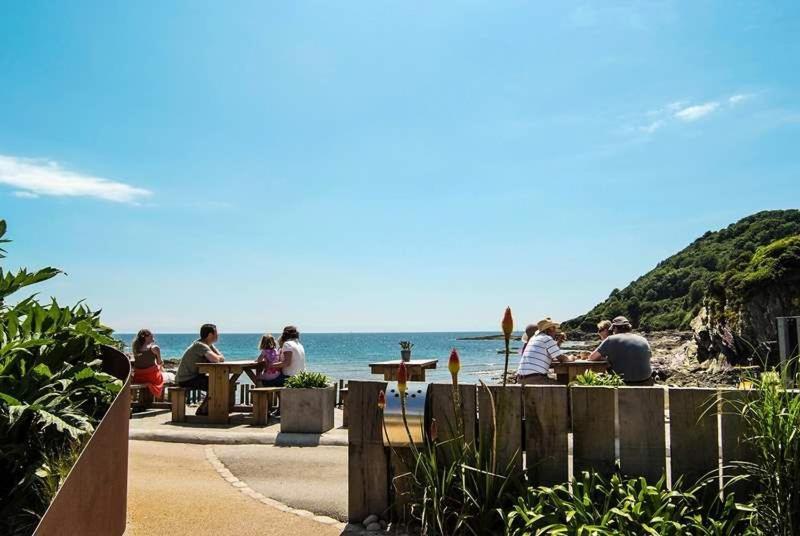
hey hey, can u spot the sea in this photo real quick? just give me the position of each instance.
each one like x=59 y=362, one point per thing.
x=348 y=355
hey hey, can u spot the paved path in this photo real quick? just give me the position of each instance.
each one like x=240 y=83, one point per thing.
x=157 y=425
x=173 y=489
x=312 y=479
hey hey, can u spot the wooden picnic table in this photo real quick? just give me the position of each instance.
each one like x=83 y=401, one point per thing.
x=222 y=386
x=416 y=369
x=566 y=371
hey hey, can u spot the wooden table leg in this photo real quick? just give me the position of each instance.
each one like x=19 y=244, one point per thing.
x=218 y=396
x=232 y=388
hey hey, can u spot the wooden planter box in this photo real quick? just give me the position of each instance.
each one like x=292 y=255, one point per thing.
x=307 y=411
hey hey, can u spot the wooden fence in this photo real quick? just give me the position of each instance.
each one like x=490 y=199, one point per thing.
x=649 y=431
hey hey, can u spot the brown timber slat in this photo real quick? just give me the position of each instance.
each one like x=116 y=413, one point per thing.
x=641 y=432
x=593 y=433
x=368 y=474
x=400 y=462
x=734 y=447
x=443 y=405
x=693 y=431
x=546 y=428
x=508 y=413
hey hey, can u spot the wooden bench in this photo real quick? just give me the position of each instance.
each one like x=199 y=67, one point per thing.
x=264 y=398
x=343 y=394
x=141 y=397
x=177 y=397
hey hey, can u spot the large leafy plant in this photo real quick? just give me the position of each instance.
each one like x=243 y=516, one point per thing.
x=307 y=380
x=52 y=393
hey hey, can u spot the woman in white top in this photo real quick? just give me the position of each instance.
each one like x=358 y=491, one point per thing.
x=291 y=356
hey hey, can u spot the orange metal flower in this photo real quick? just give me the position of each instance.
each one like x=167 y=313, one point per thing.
x=508 y=323
x=454 y=364
x=402 y=378
x=381 y=400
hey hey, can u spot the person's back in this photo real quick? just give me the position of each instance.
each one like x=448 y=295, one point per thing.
x=629 y=356
x=298 y=362
x=194 y=354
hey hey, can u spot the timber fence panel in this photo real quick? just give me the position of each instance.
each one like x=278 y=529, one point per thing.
x=734 y=447
x=642 y=447
x=593 y=432
x=546 y=429
x=507 y=414
x=443 y=406
x=694 y=434
x=368 y=474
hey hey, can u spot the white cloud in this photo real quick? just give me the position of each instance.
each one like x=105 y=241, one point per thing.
x=34 y=178
x=693 y=113
x=24 y=194
x=652 y=127
x=733 y=100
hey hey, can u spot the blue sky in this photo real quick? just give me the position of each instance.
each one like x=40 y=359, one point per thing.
x=372 y=166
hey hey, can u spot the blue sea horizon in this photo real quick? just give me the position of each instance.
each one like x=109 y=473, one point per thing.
x=347 y=355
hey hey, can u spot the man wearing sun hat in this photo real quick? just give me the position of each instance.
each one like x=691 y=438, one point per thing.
x=538 y=354
x=628 y=354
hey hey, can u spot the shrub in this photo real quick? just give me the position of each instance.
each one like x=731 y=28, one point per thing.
x=595 y=506
x=593 y=378
x=772 y=417
x=307 y=380
x=52 y=394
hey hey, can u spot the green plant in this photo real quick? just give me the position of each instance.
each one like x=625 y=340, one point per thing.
x=307 y=380
x=603 y=378
x=52 y=394
x=453 y=486
x=771 y=413
x=594 y=506
x=406 y=345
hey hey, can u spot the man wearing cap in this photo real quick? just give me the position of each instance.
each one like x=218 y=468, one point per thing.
x=538 y=354
x=627 y=353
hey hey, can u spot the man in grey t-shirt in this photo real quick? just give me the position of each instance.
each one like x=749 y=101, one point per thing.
x=628 y=354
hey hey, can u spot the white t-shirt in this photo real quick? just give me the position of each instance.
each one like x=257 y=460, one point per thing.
x=298 y=363
x=538 y=354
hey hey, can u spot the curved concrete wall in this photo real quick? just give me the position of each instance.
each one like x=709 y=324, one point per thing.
x=93 y=499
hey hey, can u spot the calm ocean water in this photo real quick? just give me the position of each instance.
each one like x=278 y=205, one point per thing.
x=347 y=355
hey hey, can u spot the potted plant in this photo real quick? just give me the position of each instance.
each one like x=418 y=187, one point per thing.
x=307 y=404
x=405 y=350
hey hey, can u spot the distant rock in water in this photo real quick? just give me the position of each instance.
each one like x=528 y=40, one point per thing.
x=728 y=286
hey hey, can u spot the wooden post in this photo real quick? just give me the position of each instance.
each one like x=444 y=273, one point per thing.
x=642 y=448
x=593 y=433
x=368 y=469
x=508 y=413
x=734 y=447
x=693 y=431
x=219 y=396
x=178 y=400
x=442 y=409
x=546 y=429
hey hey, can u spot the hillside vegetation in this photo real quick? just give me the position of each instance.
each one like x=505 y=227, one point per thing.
x=716 y=269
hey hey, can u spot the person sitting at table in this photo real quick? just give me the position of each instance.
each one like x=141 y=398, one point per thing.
x=269 y=376
x=292 y=353
x=539 y=354
x=148 y=367
x=627 y=353
x=200 y=351
x=604 y=329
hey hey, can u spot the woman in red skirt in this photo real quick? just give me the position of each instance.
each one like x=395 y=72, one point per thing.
x=147 y=362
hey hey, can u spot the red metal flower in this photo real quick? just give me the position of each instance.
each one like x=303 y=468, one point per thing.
x=434 y=430
x=454 y=364
x=381 y=400
x=508 y=323
x=402 y=378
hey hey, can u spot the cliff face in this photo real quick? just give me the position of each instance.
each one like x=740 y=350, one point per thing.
x=738 y=320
